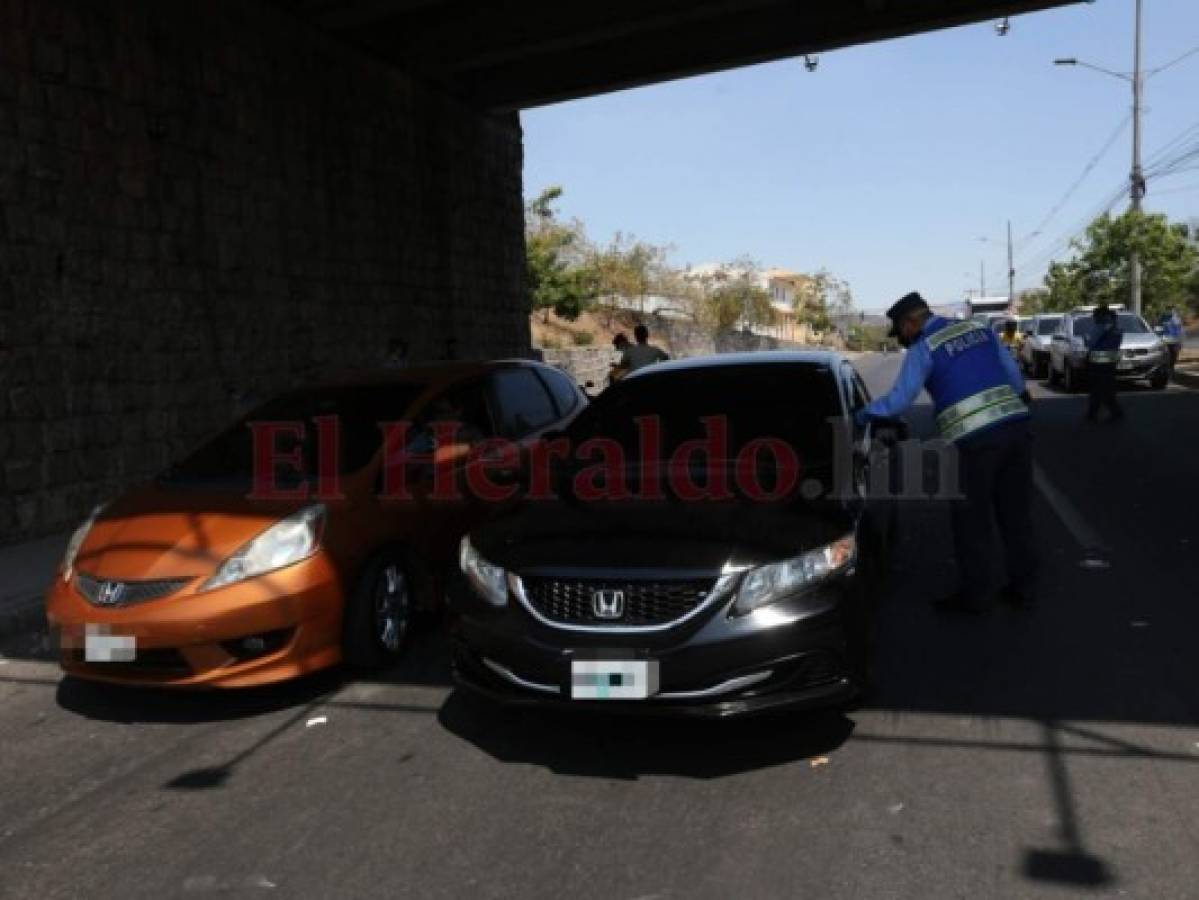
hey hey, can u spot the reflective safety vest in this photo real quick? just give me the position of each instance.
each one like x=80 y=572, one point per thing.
x=1104 y=346
x=969 y=384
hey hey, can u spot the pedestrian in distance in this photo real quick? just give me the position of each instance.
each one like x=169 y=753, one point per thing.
x=982 y=407
x=1010 y=337
x=1103 y=356
x=643 y=353
x=1172 y=334
x=617 y=370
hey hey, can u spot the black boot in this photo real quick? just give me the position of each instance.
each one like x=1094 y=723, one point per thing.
x=1018 y=597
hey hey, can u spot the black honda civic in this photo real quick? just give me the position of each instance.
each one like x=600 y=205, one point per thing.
x=699 y=541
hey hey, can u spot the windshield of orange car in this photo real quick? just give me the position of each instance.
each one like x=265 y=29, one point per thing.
x=289 y=424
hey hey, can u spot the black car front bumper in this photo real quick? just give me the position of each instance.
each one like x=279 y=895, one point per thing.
x=795 y=656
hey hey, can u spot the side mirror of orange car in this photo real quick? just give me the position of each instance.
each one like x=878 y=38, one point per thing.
x=450 y=453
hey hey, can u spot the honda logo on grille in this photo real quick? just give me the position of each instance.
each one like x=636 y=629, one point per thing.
x=110 y=593
x=607 y=604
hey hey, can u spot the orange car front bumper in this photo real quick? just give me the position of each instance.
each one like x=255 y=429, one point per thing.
x=265 y=629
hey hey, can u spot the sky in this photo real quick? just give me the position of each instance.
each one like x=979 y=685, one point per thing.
x=891 y=163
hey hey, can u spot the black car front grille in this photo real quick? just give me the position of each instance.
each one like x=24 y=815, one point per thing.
x=573 y=601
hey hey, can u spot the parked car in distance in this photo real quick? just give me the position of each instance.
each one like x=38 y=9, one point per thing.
x=202 y=579
x=1034 y=350
x=638 y=602
x=1143 y=356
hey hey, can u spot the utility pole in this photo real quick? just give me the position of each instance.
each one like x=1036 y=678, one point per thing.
x=1137 y=177
x=982 y=278
x=1011 y=270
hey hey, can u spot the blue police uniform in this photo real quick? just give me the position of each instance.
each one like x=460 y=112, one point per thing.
x=977 y=392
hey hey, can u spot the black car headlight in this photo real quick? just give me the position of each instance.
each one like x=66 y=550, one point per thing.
x=489 y=581
x=769 y=584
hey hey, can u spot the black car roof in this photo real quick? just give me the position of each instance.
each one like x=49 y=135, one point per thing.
x=827 y=358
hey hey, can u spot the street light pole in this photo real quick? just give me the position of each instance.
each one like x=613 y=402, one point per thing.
x=1138 y=178
x=1011 y=270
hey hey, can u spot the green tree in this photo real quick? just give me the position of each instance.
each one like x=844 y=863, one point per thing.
x=733 y=297
x=1100 y=269
x=630 y=269
x=867 y=337
x=1034 y=301
x=558 y=275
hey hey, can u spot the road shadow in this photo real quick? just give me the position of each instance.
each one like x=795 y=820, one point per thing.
x=625 y=748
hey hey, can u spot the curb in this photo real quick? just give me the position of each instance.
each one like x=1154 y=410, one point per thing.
x=20 y=616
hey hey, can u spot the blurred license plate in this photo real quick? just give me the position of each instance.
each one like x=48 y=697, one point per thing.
x=1124 y=364
x=616 y=679
x=101 y=646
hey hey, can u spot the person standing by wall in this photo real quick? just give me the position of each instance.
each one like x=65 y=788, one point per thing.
x=643 y=353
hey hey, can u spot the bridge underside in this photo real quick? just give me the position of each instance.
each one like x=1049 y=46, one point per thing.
x=505 y=56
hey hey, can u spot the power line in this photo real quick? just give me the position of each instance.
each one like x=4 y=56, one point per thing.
x=1173 y=62
x=1090 y=166
x=1032 y=268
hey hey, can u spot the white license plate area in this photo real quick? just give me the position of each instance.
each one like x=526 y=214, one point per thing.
x=1125 y=364
x=101 y=646
x=614 y=679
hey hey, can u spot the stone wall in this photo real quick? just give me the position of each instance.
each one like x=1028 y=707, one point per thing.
x=583 y=364
x=201 y=203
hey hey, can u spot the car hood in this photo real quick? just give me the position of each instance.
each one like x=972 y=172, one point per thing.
x=1139 y=342
x=698 y=536
x=154 y=532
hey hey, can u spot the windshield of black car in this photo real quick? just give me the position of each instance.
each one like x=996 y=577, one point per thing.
x=357 y=410
x=790 y=402
x=1047 y=326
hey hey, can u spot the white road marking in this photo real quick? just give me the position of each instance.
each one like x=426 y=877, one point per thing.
x=1076 y=523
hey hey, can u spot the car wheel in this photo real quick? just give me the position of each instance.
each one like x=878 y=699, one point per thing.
x=1159 y=382
x=380 y=613
x=1071 y=382
x=1051 y=374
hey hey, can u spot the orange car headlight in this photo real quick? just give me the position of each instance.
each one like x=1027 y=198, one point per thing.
x=285 y=543
x=68 y=559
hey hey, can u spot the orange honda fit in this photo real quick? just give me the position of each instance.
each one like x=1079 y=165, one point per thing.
x=211 y=576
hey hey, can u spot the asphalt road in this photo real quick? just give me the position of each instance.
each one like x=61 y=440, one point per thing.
x=1044 y=754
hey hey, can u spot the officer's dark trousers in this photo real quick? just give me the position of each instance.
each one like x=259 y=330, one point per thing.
x=1101 y=380
x=995 y=477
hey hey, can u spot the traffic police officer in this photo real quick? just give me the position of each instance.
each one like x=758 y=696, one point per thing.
x=981 y=406
x=1103 y=355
